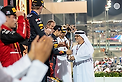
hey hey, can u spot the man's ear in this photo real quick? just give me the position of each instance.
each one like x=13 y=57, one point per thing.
x=41 y=7
x=7 y=18
x=48 y=25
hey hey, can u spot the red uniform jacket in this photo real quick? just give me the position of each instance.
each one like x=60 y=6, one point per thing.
x=9 y=48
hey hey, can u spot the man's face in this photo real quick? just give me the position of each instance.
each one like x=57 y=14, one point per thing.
x=11 y=21
x=78 y=38
x=63 y=34
x=51 y=26
x=58 y=33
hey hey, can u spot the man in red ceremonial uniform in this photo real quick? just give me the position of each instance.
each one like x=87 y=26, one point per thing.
x=9 y=48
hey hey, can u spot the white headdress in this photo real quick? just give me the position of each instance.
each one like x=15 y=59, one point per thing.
x=86 y=40
x=2 y=18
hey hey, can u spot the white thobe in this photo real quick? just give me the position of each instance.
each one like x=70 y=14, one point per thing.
x=35 y=73
x=63 y=67
x=83 y=72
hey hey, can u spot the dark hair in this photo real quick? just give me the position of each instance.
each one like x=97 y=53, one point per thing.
x=8 y=16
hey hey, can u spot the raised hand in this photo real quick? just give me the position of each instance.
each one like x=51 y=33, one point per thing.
x=19 y=13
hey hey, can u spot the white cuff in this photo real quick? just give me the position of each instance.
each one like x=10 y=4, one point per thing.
x=19 y=68
x=36 y=72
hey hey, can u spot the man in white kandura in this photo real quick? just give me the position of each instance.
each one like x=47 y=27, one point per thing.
x=82 y=56
x=63 y=67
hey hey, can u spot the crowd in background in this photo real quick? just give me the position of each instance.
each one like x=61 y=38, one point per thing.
x=108 y=65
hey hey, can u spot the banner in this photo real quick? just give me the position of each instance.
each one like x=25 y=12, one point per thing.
x=30 y=4
x=5 y=2
x=21 y=5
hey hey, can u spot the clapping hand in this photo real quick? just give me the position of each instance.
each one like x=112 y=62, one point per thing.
x=41 y=48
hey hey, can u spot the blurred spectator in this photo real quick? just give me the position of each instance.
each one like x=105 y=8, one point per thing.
x=107 y=65
x=120 y=59
x=96 y=62
x=115 y=59
x=106 y=69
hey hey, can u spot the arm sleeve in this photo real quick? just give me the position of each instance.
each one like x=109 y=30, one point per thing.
x=28 y=29
x=36 y=72
x=4 y=77
x=19 y=68
x=21 y=29
x=8 y=37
